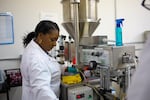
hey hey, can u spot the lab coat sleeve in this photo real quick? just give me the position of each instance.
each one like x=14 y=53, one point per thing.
x=140 y=83
x=63 y=68
x=40 y=79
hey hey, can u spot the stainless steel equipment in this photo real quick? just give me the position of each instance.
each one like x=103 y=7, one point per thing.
x=80 y=20
x=114 y=62
x=114 y=54
x=86 y=42
x=93 y=41
x=61 y=55
x=88 y=20
x=80 y=93
x=106 y=55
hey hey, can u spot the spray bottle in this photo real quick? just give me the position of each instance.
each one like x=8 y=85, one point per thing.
x=119 y=32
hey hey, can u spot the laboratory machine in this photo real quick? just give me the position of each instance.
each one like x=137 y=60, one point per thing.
x=103 y=71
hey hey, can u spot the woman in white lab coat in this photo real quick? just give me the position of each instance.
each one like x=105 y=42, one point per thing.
x=140 y=83
x=40 y=72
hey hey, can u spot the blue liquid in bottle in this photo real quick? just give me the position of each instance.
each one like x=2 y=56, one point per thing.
x=119 y=32
x=118 y=36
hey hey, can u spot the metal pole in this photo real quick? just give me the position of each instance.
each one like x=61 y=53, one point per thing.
x=76 y=26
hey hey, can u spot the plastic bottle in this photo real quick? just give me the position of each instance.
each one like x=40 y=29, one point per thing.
x=119 y=32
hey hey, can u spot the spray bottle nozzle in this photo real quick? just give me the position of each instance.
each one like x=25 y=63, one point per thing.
x=119 y=22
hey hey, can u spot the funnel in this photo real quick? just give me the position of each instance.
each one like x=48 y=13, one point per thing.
x=88 y=21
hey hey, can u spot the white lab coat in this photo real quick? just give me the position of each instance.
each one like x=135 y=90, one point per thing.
x=140 y=83
x=41 y=74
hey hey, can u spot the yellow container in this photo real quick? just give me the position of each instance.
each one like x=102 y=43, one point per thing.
x=71 y=79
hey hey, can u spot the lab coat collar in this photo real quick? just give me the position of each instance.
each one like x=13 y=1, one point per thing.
x=35 y=45
x=46 y=54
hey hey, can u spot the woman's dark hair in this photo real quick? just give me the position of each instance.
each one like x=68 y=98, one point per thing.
x=44 y=27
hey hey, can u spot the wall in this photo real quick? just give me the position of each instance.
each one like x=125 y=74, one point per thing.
x=27 y=14
x=136 y=21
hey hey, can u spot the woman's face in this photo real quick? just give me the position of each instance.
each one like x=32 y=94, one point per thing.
x=49 y=40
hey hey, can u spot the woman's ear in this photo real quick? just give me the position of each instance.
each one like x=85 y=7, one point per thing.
x=40 y=38
x=40 y=35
